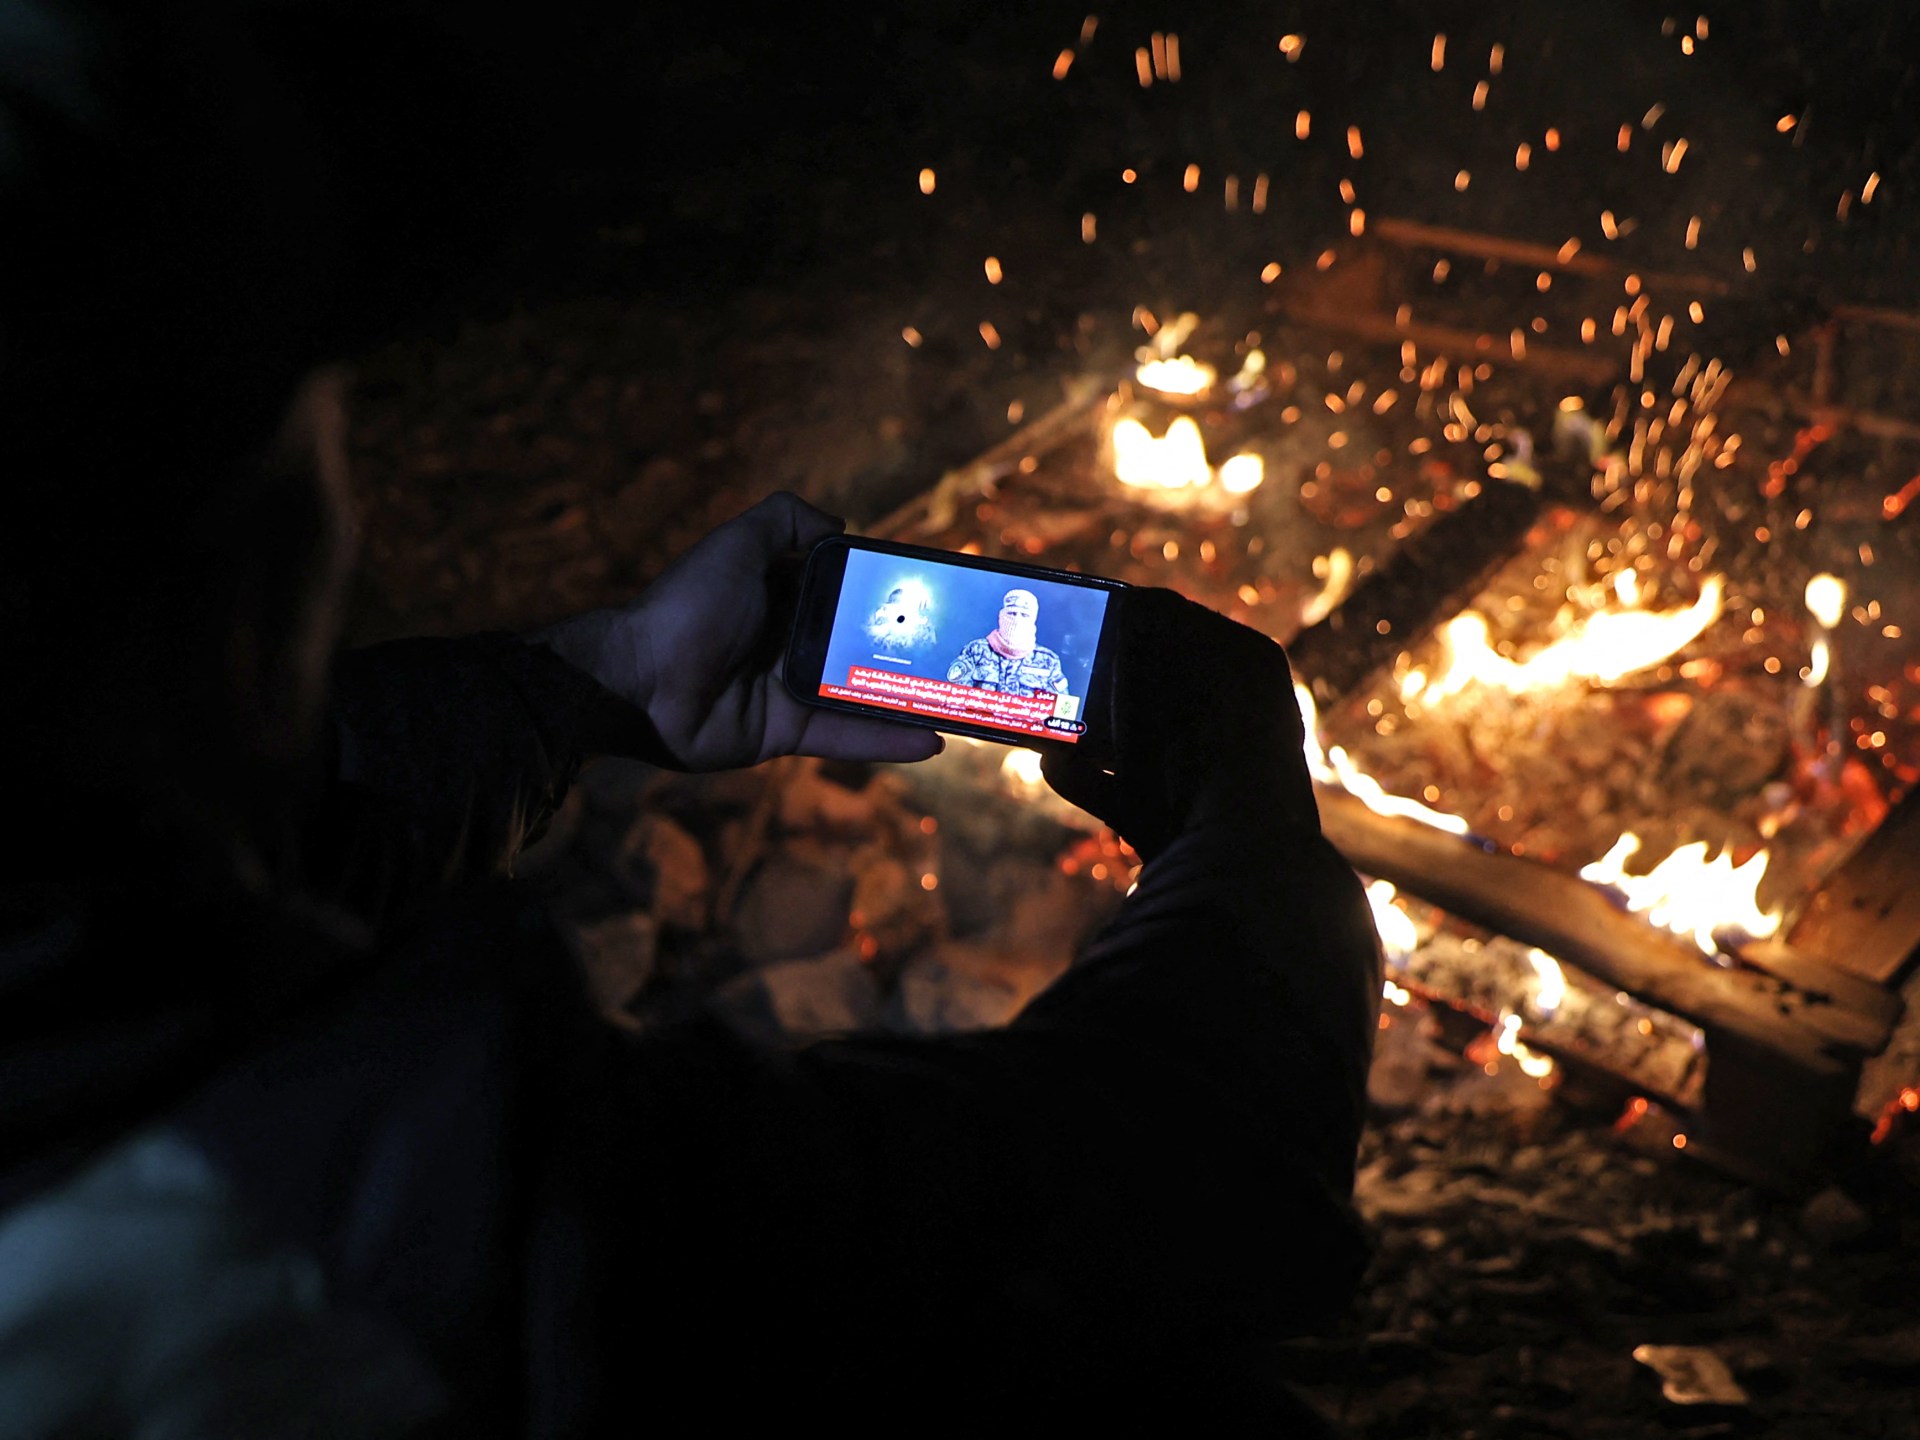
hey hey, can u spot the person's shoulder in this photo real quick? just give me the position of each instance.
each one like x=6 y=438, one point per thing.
x=1046 y=655
x=976 y=649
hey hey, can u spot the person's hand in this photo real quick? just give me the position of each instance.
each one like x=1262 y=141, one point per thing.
x=701 y=653
x=1204 y=725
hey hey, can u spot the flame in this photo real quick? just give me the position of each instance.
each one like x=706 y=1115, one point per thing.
x=1690 y=895
x=1022 y=767
x=1827 y=599
x=1606 y=646
x=1822 y=660
x=1180 y=375
x=1399 y=937
x=1336 y=568
x=1336 y=767
x=1533 y=1066
x=1242 y=474
x=1172 y=462
x=1553 y=981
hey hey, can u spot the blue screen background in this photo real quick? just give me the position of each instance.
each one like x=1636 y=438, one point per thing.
x=961 y=605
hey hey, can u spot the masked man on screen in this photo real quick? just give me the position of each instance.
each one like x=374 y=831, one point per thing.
x=1011 y=659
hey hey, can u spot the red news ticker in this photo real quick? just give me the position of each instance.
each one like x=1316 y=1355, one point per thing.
x=942 y=699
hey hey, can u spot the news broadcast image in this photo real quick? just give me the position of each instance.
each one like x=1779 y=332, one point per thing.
x=949 y=642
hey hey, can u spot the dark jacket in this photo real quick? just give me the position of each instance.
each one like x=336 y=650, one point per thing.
x=264 y=1171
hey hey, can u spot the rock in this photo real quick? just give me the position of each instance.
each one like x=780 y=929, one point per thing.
x=810 y=801
x=954 y=987
x=1832 y=1218
x=1691 y=1375
x=791 y=908
x=798 y=1000
x=666 y=862
x=618 y=955
x=893 y=908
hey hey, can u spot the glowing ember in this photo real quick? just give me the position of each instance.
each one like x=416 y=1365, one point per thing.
x=1171 y=462
x=1689 y=894
x=1607 y=646
x=1180 y=375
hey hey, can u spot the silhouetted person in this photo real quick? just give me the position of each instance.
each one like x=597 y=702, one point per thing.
x=309 y=1127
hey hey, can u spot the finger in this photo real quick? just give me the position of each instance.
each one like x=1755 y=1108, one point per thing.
x=784 y=522
x=854 y=737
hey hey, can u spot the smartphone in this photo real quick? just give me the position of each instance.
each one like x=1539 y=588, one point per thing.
x=1015 y=653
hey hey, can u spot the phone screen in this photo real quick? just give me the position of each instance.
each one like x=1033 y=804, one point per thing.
x=1007 y=651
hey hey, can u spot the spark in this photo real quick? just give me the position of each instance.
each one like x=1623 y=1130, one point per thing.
x=1439 y=60
x=1260 y=193
x=1089 y=228
x=990 y=335
x=1867 y=190
x=927 y=181
x=1671 y=154
x=1746 y=259
x=912 y=336
x=992 y=267
x=1462 y=179
x=1062 y=63
x=1302 y=125
x=1480 y=96
x=1522 y=156
x=1496 y=59
x=1624 y=140
x=1355 y=147
x=1291 y=46
x=1129 y=175
x=1143 y=68
x=1270 y=272
x=1190 y=181
x=1693 y=233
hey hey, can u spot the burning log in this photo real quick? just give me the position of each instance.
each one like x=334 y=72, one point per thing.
x=1818 y=1033
x=1427 y=581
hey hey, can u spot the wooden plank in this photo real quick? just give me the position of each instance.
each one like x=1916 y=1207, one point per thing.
x=1592 y=369
x=1424 y=583
x=1865 y=916
x=1541 y=257
x=1572 y=920
x=935 y=509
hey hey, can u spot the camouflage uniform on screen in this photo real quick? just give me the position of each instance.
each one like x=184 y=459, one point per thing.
x=980 y=666
x=1011 y=659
